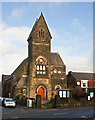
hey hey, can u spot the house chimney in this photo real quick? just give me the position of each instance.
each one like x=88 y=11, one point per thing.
x=70 y=72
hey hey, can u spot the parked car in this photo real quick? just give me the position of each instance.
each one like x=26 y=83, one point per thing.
x=8 y=102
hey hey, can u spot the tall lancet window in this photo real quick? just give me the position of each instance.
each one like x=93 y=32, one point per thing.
x=41 y=33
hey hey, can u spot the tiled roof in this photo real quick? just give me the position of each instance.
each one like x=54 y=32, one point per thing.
x=56 y=59
x=86 y=76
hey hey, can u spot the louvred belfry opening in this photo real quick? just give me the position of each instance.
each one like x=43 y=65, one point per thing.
x=41 y=92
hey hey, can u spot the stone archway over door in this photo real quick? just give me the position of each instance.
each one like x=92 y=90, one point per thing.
x=41 y=92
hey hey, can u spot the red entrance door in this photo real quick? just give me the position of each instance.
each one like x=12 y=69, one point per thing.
x=41 y=92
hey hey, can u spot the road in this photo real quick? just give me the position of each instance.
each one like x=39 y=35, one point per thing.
x=83 y=112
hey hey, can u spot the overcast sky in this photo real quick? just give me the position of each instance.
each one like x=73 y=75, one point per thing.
x=70 y=24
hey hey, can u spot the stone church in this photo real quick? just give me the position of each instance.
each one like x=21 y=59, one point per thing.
x=41 y=73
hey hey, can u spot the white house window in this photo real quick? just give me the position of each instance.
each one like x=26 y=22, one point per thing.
x=91 y=94
x=84 y=83
x=43 y=67
x=37 y=67
x=55 y=71
x=78 y=83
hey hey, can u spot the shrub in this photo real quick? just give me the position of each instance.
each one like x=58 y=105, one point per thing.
x=77 y=93
x=18 y=96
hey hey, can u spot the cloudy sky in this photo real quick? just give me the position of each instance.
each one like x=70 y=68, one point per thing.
x=70 y=24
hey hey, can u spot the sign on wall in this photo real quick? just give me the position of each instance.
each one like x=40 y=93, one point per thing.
x=64 y=93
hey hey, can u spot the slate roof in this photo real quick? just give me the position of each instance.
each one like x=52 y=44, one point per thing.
x=20 y=66
x=21 y=82
x=56 y=59
x=85 y=76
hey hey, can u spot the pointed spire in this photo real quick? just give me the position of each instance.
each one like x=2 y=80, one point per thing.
x=37 y=20
x=41 y=15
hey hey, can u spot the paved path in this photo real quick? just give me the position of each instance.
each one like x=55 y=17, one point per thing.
x=23 y=112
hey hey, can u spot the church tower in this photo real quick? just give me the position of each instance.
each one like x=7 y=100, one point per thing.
x=39 y=49
x=41 y=73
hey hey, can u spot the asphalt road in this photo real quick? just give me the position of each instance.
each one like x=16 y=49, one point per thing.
x=83 y=112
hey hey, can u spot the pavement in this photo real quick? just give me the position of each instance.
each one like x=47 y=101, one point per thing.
x=22 y=107
x=21 y=111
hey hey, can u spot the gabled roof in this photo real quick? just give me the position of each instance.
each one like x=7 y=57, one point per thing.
x=37 y=20
x=56 y=59
x=85 y=76
x=20 y=66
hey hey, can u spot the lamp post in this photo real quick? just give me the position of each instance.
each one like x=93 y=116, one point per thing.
x=9 y=95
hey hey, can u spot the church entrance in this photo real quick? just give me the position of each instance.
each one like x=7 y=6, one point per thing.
x=41 y=92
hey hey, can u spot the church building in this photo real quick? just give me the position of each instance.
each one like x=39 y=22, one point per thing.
x=41 y=73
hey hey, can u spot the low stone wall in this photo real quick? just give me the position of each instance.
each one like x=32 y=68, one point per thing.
x=74 y=102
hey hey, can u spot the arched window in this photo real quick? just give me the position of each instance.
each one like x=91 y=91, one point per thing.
x=55 y=71
x=59 y=72
x=41 y=65
x=58 y=87
x=38 y=67
x=41 y=33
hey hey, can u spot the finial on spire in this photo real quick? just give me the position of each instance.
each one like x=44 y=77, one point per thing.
x=41 y=14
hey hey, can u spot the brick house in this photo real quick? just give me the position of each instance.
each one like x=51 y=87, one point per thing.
x=86 y=81
x=42 y=72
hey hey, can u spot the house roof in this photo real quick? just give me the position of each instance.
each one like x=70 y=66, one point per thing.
x=56 y=59
x=85 y=76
